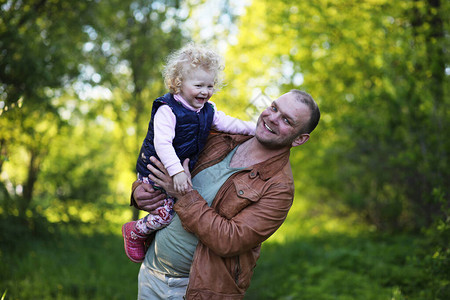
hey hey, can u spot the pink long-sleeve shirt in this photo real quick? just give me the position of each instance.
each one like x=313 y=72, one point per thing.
x=164 y=126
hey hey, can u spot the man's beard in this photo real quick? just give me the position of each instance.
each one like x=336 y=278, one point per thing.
x=275 y=144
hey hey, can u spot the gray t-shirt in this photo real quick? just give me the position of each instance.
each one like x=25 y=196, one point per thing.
x=173 y=247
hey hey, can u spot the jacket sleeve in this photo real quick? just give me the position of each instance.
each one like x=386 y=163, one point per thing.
x=246 y=230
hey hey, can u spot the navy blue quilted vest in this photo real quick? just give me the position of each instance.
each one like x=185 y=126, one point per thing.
x=191 y=132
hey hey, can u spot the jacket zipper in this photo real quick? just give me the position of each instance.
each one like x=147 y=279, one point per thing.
x=237 y=270
x=191 y=271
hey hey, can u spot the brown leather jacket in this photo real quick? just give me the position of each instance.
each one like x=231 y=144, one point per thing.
x=249 y=207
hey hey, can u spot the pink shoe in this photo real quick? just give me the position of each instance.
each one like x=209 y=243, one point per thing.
x=134 y=242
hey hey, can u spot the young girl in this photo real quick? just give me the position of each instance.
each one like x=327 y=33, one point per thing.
x=179 y=126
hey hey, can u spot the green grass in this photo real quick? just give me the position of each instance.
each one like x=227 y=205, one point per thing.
x=314 y=255
x=68 y=265
x=336 y=266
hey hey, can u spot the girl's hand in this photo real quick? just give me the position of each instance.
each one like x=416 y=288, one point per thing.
x=181 y=182
x=161 y=177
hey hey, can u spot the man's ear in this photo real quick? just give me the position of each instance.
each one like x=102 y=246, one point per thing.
x=300 y=140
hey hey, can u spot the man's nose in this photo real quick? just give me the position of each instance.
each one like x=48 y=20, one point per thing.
x=273 y=116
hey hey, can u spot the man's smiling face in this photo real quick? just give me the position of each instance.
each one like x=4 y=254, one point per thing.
x=280 y=124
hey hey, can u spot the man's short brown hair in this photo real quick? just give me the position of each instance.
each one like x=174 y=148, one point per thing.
x=314 y=116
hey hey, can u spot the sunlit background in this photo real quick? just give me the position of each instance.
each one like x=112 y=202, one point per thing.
x=370 y=218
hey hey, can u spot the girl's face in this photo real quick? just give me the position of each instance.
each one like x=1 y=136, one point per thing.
x=197 y=87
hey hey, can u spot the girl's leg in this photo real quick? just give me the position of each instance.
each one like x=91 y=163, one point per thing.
x=136 y=233
x=150 y=222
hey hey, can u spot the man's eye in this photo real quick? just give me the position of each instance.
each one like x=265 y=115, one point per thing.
x=286 y=121
x=274 y=108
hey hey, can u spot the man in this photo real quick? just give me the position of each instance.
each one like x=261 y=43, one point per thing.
x=242 y=191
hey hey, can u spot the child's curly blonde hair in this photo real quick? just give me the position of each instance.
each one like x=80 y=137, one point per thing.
x=192 y=56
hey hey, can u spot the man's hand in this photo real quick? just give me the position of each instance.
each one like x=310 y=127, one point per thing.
x=181 y=182
x=147 y=198
x=161 y=177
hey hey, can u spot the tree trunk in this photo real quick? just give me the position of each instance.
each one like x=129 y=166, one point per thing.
x=33 y=170
x=3 y=153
